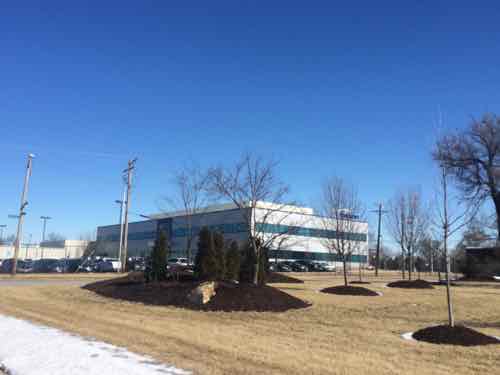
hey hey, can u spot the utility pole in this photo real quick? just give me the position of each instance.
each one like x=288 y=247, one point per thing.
x=44 y=218
x=121 y=203
x=20 y=221
x=128 y=171
x=377 y=256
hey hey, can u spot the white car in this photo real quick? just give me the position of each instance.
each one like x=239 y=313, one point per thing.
x=329 y=267
x=178 y=262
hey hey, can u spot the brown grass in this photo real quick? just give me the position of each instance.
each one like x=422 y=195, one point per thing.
x=337 y=335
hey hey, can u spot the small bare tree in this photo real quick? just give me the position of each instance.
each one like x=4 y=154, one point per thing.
x=449 y=222
x=341 y=212
x=407 y=223
x=190 y=185
x=472 y=157
x=254 y=188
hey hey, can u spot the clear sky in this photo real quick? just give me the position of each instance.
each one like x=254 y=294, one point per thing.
x=328 y=89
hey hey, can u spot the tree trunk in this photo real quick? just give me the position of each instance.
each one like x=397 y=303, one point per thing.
x=403 y=264
x=410 y=265
x=359 y=269
x=257 y=251
x=345 y=270
x=496 y=200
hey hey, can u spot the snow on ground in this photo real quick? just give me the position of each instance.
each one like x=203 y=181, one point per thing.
x=30 y=349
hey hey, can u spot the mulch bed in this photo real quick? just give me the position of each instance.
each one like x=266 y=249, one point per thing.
x=458 y=335
x=350 y=291
x=229 y=297
x=360 y=282
x=413 y=284
x=275 y=277
x=443 y=283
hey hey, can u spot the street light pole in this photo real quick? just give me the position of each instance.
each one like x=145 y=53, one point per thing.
x=24 y=203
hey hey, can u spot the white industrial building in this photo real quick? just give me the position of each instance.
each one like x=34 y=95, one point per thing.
x=297 y=233
x=48 y=249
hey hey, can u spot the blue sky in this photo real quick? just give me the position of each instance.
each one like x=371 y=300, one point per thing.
x=348 y=90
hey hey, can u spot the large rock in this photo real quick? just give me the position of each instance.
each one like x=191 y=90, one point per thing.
x=203 y=293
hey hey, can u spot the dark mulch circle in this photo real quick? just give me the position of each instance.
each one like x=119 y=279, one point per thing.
x=229 y=296
x=458 y=335
x=443 y=283
x=413 y=284
x=350 y=291
x=275 y=277
x=360 y=282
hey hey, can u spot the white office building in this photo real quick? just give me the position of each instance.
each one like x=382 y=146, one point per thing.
x=293 y=233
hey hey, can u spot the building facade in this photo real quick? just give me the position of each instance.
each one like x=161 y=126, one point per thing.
x=289 y=232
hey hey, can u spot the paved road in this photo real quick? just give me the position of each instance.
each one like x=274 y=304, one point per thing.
x=26 y=282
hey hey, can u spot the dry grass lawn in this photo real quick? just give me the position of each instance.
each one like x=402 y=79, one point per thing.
x=337 y=335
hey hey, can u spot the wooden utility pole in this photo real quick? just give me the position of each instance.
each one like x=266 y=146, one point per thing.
x=377 y=256
x=128 y=171
x=20 y=221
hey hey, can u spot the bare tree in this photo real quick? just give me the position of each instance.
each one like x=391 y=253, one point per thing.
x=450 y=221
x=407 y=223
x=53 y=236
x=254 y=188
x=341 y=212
x=472 y=157
x=191 y=198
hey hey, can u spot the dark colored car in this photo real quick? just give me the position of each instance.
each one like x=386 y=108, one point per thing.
x=23 y=266
x=283 y=267
x=44 y=265
x=66 y=265
x=298 y=267
x=317 y=267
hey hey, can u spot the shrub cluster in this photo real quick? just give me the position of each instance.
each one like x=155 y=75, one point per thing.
x=157 y=269
x=216 y=259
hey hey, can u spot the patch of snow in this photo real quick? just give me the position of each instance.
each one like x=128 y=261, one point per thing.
x=380 y=293
x=496 y=278
x=30 y=349
x=408 y=336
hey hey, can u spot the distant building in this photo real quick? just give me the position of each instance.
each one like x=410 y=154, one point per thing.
x=47 y=249
x=305 y=238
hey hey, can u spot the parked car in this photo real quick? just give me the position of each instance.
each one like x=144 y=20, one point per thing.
x=317 y=267
x=66 y=265
x=178 y=262
x=23 y=266
x=284 y=267
x=108 y=265
x=44 y=265
x=298 y=267
x=329 y=267
x=137 y=264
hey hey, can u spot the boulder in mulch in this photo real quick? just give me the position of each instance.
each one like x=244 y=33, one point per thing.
x=228 y=296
